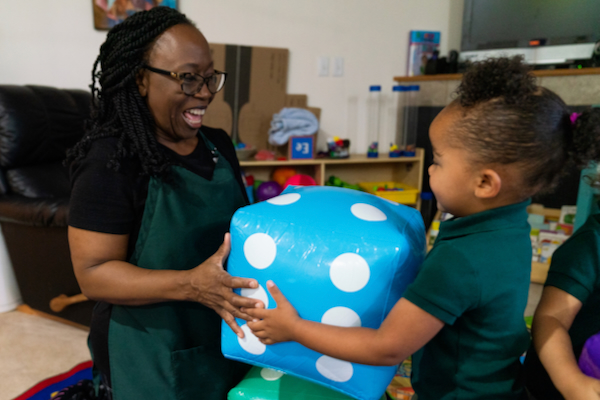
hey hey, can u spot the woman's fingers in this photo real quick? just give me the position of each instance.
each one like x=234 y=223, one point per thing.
x=230 y=320
x=235 y=282
x=223 y=251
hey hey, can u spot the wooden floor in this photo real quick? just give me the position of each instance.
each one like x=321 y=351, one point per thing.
x=33 y=348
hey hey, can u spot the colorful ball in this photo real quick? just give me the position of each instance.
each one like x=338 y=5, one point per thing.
x=267 y=190
x=300 y=180
x=282 y=174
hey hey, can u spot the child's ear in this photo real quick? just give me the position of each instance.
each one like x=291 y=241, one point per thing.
x=141 y=80
x=489 y=184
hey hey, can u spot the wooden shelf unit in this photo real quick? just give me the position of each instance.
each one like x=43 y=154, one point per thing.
x=539 y=72
x=357 y=168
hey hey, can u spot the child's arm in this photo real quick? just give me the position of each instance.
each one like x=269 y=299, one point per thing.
x=406 y=329
x=553 y=318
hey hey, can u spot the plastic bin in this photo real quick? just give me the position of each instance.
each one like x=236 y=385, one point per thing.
x=405 y=195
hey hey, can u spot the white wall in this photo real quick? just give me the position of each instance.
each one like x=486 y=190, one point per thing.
x=54 y=43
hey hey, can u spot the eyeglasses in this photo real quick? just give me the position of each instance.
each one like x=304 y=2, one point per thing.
x=191 y=84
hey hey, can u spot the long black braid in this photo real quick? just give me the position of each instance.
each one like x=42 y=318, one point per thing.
x=118 y=109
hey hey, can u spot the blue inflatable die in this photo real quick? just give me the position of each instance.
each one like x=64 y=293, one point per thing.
x=341 y=257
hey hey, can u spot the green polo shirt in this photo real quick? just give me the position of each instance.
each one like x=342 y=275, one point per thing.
x=476 y=280
x=575 y=269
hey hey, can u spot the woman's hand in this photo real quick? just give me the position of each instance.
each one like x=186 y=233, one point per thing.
x=275 y=325
x=212 y=286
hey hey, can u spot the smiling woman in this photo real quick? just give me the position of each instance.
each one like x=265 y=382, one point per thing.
x=153 y=192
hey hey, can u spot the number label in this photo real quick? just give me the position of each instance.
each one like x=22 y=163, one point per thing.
x=301 y=147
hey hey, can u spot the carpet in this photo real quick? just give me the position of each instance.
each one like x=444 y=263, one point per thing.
x=46 y=388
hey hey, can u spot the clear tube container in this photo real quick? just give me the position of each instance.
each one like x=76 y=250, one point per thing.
x=410 y=121
x=373 y=113
x=396 y=120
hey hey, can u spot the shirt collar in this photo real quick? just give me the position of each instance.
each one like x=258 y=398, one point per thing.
x=485 y=221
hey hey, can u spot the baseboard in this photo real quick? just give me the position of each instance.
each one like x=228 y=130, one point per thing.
x=24 y=308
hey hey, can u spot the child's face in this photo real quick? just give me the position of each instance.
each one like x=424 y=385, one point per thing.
x=451 y=177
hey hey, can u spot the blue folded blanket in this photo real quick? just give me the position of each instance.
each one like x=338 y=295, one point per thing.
x=292 y=122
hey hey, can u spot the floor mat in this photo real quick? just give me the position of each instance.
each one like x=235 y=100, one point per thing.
x=46 y=388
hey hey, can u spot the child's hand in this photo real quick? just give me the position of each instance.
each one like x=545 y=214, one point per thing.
x=275 y=325
x=585 y=388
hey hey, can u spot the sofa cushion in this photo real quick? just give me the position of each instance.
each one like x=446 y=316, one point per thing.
x=38 y=123
x=40 y=181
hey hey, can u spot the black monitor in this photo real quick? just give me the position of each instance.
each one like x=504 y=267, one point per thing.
x=545 y=31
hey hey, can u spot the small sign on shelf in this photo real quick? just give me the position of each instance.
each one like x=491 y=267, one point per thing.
x=301 y=148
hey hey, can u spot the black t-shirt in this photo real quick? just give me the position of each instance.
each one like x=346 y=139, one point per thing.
x=103 y=200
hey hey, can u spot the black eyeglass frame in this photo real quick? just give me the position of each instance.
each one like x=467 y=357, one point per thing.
x=179 y=77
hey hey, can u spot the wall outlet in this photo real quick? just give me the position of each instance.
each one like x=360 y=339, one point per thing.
x=323 y=66
x=338 y=66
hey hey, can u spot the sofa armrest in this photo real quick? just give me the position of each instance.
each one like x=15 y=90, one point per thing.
x=48 y=212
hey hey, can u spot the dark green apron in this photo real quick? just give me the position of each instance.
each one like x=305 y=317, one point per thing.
x=172 y=350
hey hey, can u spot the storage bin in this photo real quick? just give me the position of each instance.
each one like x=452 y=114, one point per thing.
x=405 y=195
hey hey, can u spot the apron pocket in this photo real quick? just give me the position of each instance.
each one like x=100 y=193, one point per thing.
x=203 y=373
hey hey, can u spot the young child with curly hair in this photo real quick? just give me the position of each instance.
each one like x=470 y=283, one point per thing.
x=502 y=140
x=569 y=311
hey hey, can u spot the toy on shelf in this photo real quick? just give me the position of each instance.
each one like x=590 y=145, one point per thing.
x=373 y=150
x=249 y=185
x=243 y=151
x=549 y=229
x=338 y=148
x=335 y=181
x=268 y=190
x=394 y=191
x=265 y=155
x=300 y=180
x=282 y=174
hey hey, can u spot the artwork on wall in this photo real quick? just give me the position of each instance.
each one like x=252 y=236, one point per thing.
x=108 y=13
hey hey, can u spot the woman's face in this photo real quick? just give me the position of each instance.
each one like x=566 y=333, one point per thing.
x=181 y=48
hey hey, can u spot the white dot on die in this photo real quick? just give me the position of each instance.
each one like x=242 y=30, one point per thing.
x=341 y=316
x=269 y=374
x=334 y=369
x=367 y=212
x=260 y=250
x=250 y=343
x=349 y=272
x=257 y=294
x=284 y=199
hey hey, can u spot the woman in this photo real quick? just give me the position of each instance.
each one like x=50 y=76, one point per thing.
x=152 y=196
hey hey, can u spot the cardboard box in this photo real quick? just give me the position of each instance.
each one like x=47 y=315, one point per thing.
x=255 y=90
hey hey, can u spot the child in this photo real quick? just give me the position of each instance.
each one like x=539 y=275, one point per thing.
x=569 y=311
x=502 y=140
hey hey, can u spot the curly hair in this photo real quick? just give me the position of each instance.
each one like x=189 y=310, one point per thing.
x=118 y=109
x=509 y=119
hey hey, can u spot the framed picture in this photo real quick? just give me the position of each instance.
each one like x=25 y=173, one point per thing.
x=108 y=13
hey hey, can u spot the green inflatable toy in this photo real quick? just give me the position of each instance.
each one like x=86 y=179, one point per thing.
x=268 y=384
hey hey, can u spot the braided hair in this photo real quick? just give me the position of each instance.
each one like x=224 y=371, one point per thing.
x=509 y=119
x=118 y=109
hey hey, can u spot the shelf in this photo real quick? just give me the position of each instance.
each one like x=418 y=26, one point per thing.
x=539 y=72
x=353 y=159
x=357 y=168
x=539 y=272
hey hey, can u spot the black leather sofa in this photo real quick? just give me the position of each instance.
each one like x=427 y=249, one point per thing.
x=37 y=125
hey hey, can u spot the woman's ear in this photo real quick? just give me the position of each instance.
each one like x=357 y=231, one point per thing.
x=488 y=185
x=142 y=82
